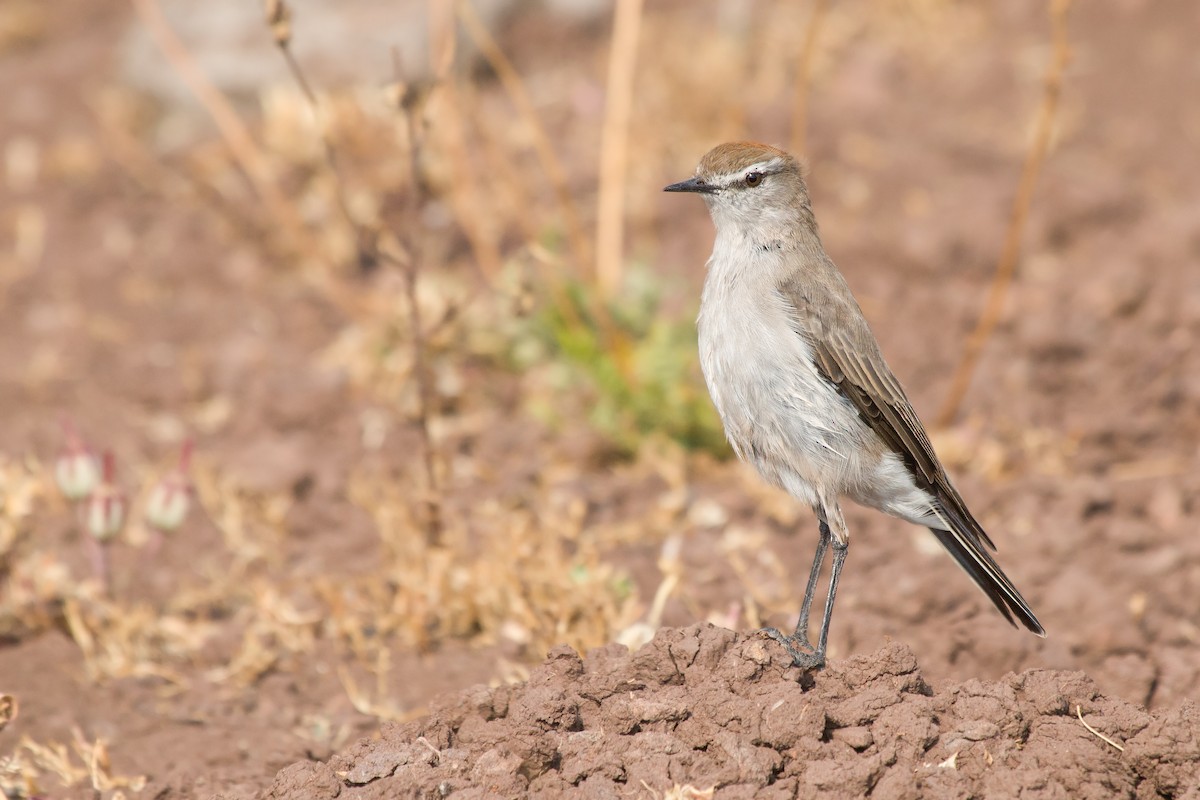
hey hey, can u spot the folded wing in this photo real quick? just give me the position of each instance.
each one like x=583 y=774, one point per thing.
x=847 y=355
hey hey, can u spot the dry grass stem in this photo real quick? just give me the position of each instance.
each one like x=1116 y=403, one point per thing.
x=1006 y=267
x=514 y=87
x=804 y=77
x=364 y=704
x=278 y=17
x=411 y=107
x=467 y=197
x=83 y=763
x=251 y=523
x=614 y=146
x=241 y=144
x=1093 y=731
x=689 y=792
x=131 y=642
x=533 y=579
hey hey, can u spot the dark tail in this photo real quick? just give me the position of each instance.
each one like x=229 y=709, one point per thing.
x=965 y=544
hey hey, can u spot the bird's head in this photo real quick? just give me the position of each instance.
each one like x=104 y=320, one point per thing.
x=749 y=186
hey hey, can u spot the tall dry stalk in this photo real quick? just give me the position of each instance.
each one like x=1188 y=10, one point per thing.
x=469 y=195
x=577 y=241
x=514 y=87
x=1006 y=267
x=804 y=78
x=411 y=104
x=614 y=146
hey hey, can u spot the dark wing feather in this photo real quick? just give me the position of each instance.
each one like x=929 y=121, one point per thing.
x=847 y=354
x=861 y=375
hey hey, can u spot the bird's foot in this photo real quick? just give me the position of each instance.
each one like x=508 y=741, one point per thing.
x=803 y=654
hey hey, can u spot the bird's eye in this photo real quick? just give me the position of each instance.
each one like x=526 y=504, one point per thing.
x=753 y=178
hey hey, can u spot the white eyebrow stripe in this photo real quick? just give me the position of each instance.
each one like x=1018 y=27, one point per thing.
x=769 y=165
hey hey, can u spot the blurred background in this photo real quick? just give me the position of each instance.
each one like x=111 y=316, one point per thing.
x=387 y=328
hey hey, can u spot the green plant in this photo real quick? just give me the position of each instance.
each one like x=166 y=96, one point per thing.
x=638 y=360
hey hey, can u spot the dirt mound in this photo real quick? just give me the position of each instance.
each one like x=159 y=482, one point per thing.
x=706 y=712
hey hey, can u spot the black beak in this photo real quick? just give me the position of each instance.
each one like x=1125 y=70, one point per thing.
x=691 y=185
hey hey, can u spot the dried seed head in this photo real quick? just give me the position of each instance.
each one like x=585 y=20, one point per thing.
x=104 y=512
x=76 y=470
x=279 y=19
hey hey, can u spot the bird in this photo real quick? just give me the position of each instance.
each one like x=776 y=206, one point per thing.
x=802 y=388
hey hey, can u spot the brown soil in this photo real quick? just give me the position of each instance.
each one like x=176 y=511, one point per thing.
x=227 y=661
x=701 y=707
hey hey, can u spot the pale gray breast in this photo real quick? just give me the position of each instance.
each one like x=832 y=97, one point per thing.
x=779 y=412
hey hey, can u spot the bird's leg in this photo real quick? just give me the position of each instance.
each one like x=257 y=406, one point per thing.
x=798 y=645
x=840 y=548
x=801 y=633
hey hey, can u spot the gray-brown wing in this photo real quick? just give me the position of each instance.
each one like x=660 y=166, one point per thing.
x=858 y=370
x=847 y=355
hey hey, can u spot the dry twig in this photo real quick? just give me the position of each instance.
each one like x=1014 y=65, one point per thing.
x=1007 y=265
x=278 y=17
x=241 y=145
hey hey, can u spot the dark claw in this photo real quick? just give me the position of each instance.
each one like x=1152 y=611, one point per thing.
x=803 y=654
